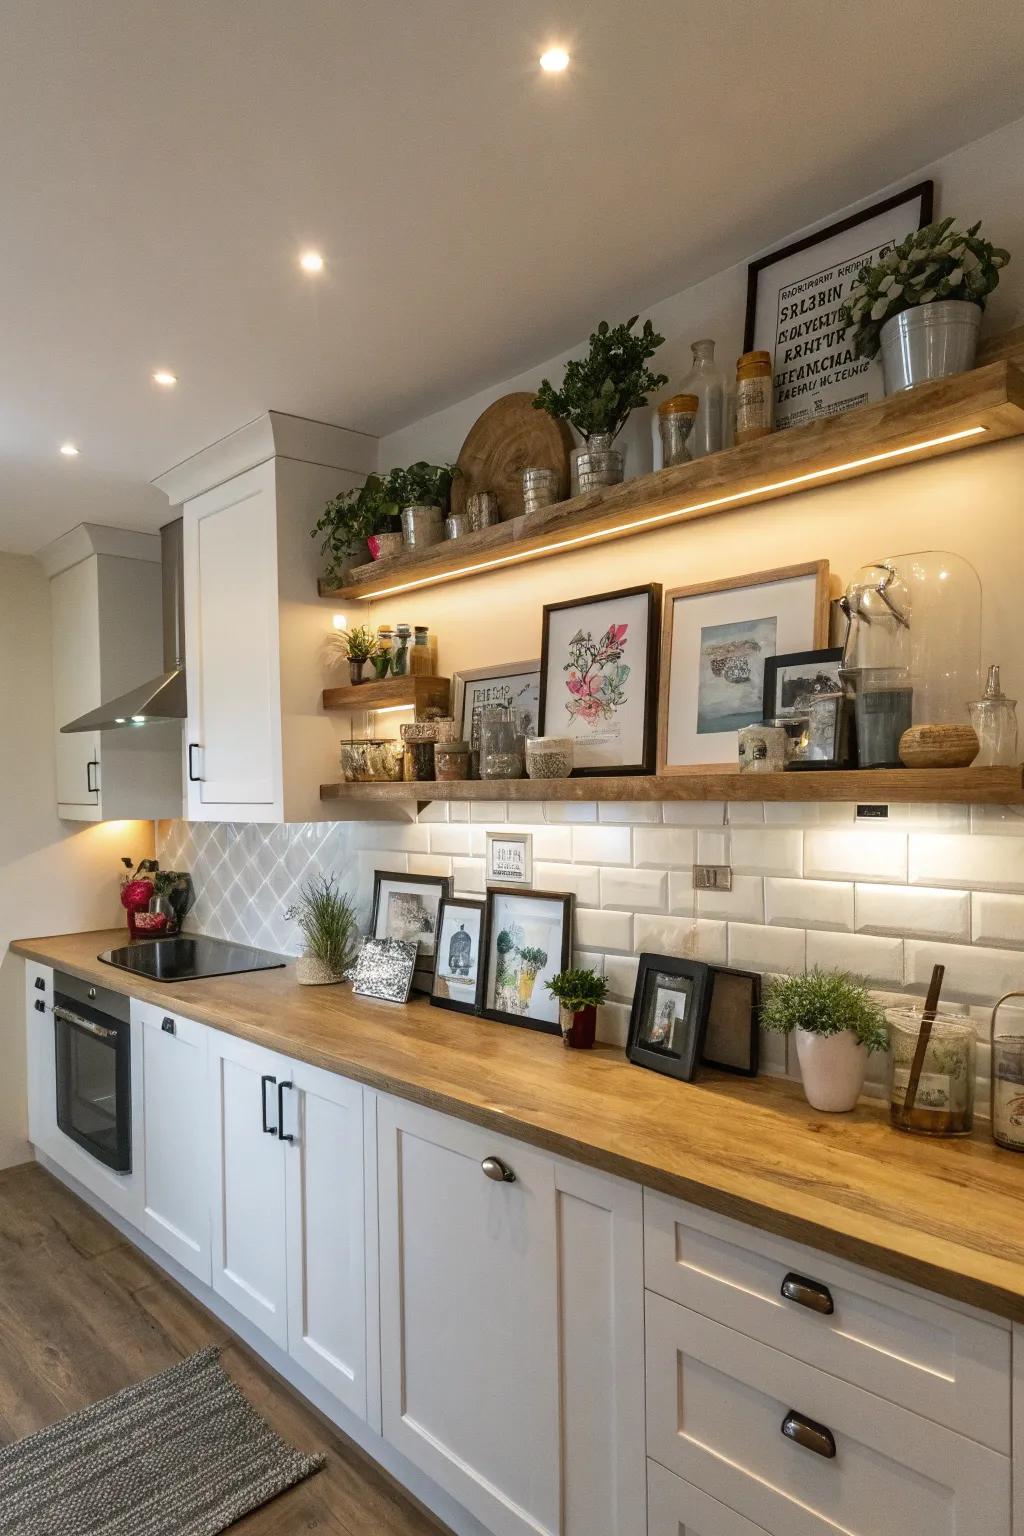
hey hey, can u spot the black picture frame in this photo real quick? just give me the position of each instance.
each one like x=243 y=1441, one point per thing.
x=461 y=904
x=830 y=656
x=680 y=1056
x=732 y=1037
x=517 y=894
x=647 y=761
x=423 y=974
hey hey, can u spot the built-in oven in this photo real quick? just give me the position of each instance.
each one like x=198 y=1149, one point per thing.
x=92 y=1031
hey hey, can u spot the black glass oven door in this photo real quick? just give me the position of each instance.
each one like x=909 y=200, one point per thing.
x=94 y=1084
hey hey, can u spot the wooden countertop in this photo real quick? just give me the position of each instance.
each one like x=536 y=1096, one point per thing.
x=945 y=1215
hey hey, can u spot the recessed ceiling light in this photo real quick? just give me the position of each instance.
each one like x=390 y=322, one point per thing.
x=311 y=261
x=168 y=380
x=554 y=60
x=69 y=450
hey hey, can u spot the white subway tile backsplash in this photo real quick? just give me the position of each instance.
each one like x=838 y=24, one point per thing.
x=743 y=904
x=680 y=936
x=765 y=851
x=583 y=882
x=434 y=811
x=973 y=974
x=468 y=877
x=613 y=1024
x=979 y=861
x=570 y=811
x=664 y=847
x=604 y=930
x=694 y=813
x=801 y=813
x=530 y=811
x=808 y=903
x=753 y=947
x=930 y=818
x=904 y=911
x=682 y=898
x=602 y=845
x=744 y=813
x=450 y=839
x=876 y=959
x=370 y=860
x=638 y=890
x=997 y=919
x=458 y=810
x=488 y=810
x=1001 y=820
x=430 y=864
x=630 y=812
x=549 y=842
x=712 y=848
x=865 y=852
x=620 y=973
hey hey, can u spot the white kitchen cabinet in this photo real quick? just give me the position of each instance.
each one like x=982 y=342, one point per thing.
x=178 y=1148
x=511 y=1334
x=675 y=1508
x=40 y=1057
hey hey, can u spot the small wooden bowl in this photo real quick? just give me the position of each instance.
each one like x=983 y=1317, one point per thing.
x=939 y=746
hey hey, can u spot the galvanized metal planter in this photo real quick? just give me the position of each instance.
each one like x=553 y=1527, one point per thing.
x=931 y=341
x=422 y=526
x=598 y=463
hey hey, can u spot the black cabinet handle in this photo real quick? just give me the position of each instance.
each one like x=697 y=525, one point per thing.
x=808 y=1293
x=92 y=788
x=280 y=1111
x=168 y=1025
x=40 y=1005
x=271 y=1130
x=196 y=778
x=813 y=1437
x=40 y=984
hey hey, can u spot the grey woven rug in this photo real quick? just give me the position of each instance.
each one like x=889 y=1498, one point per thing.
x=182 y=1454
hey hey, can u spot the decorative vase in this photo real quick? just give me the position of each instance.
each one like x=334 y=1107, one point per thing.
x=357 y=671
x=383 y=546
x=930 y=341
x=579 y=1028
x=422 y=526
x=833 y=1068
x=597 y=463
x=311 y=972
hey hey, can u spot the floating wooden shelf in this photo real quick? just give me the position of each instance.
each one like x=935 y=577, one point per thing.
x=944 y=786
x=934 y=419
x=392 y=693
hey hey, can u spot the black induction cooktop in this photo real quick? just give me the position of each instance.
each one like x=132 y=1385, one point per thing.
x=187 y=957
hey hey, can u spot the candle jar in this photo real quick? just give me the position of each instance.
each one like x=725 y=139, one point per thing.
x=1007 y=1101
x=501 y=743
x=944 y=1103
x=762 y=748
x=419 y=738
x=549 y=757
x=451 y=760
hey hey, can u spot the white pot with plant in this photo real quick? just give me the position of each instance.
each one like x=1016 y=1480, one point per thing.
x=328 y=924
x=921 y=305
x=836 y=1024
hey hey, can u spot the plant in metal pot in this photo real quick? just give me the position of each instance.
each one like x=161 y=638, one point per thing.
x=837 y=1025
x=421 y=490
x=327 y=921
x=355 y=519
x=580 y=992
x=921 y=304
x=356 y=646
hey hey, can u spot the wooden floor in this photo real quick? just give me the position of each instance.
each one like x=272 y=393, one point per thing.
x=83 y=1313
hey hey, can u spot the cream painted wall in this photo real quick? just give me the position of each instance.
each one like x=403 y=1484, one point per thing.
x=54 y=877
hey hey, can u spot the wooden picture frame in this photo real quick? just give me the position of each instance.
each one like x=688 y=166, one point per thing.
x=446 y=984
x=553 y=721
x=681 y=696
x=499 y=673
x=379 y=928
x=501 y=918
x=668 y=1019
x=732 y=1031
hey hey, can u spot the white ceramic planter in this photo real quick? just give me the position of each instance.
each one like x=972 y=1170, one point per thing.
x=833 y=1068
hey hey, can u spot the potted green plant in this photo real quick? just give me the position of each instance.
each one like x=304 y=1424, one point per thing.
x=421 y=492
x=598 y=393
x=580 y=993
x=921 y=304
x=358 y=646
x=354 y=519
x=328 y=923
x=836 y=1024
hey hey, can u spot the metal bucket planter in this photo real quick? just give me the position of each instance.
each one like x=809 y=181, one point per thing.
x=422 y=526
x=598 y=463
x=932 y=341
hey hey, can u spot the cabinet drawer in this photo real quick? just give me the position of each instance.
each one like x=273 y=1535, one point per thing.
x=947 y=1364
x=716 y=1404
x=675 y=1508
x=152 y=1016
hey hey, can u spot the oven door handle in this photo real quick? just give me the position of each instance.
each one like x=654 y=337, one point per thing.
x=99 y=1030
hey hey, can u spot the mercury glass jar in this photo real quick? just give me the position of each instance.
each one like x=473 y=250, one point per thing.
x=373 y=761
x=944 y=1102
x=419 y=738
x=675 y=424
x=501 y=743
x=451 y=760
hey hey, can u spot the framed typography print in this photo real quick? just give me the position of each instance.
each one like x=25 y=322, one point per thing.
x=509 y=858
x=793 y=299
x=406 y=907
x=529 y=935
x=458 y=971
x=514 y=684
x=599 y=678
x=716 y=639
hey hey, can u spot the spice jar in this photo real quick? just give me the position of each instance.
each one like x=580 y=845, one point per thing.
x=753 y=396
x=1007 y=1080
x=944 y=1103
x=451 y=760
x=675 y=423
x=419 y=738
x=549 y=757
x=501 y=743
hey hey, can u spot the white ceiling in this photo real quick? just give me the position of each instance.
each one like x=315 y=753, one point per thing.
x=164 y=163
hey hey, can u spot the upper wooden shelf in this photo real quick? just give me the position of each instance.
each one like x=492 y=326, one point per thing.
x=941 y=786
x=416 y=691
x=942 y=417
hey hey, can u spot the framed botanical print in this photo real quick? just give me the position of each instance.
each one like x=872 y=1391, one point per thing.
x=599 y=679
x=528 y=941
x=513 y=683
x=669 y=1015
x=458 y=971
x=406 y=907
x=716 y=639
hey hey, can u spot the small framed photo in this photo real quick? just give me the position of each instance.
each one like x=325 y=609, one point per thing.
x=794 y=680
x=599 y=678
x=509 y=858
x=528 y=941
x=406 y=907
x=514 y=683
x=669 y=1015
x=823 y=739
x=459 y=973
x=732 y=1033
x=384 y=969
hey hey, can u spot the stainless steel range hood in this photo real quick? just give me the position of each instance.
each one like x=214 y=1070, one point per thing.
x=163 y=697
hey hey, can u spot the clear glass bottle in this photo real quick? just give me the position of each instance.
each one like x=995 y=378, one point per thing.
x=706 y=382
x=995 y=721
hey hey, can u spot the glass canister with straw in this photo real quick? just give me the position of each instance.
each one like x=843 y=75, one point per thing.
x=932 y=1067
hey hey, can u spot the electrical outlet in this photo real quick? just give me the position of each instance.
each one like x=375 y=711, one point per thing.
x=712 y=877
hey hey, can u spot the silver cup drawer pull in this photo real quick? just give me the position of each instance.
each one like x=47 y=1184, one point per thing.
x=495 y=1169
x=808 y=1293
x=812 y=1436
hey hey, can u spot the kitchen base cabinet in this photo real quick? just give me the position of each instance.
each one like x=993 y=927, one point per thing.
x=178 y=1150
x=675 y=1508
x=511 y=1335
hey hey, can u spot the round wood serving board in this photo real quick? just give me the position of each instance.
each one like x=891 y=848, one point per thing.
x=509 y=437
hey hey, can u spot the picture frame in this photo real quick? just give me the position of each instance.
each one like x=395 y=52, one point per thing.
x=509 y=859
x=668 y=1018
x=794 y=295
x=602 y=693
x=791 y=680
x=824 y=745
x=458 y=979
x=732 y=1035
x=515 y=683
x=528 y=941
x=384 y=969
x=716 y=637
x=406 y=907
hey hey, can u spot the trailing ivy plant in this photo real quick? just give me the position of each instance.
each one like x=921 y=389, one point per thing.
x=600 y=390
x=350 y=519
x=824 y=1003
x=579 y=988
x=941 y=261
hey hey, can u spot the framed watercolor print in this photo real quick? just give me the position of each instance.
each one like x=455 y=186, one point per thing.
x=528 y=941
x=732 y=1035
x=793 y=300
x=458 y=981
x=669 y=1015
x=509 y=858
x=792 y=681
x=599 y=679
x=406 y=907
x=514 y=683
x=384 y=969
x=716 y=638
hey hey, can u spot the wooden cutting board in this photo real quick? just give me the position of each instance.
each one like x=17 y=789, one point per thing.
x=509 y=437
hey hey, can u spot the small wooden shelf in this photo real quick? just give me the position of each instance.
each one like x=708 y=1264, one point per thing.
x=416 y=691
x=934 y=419
x=942 y=786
